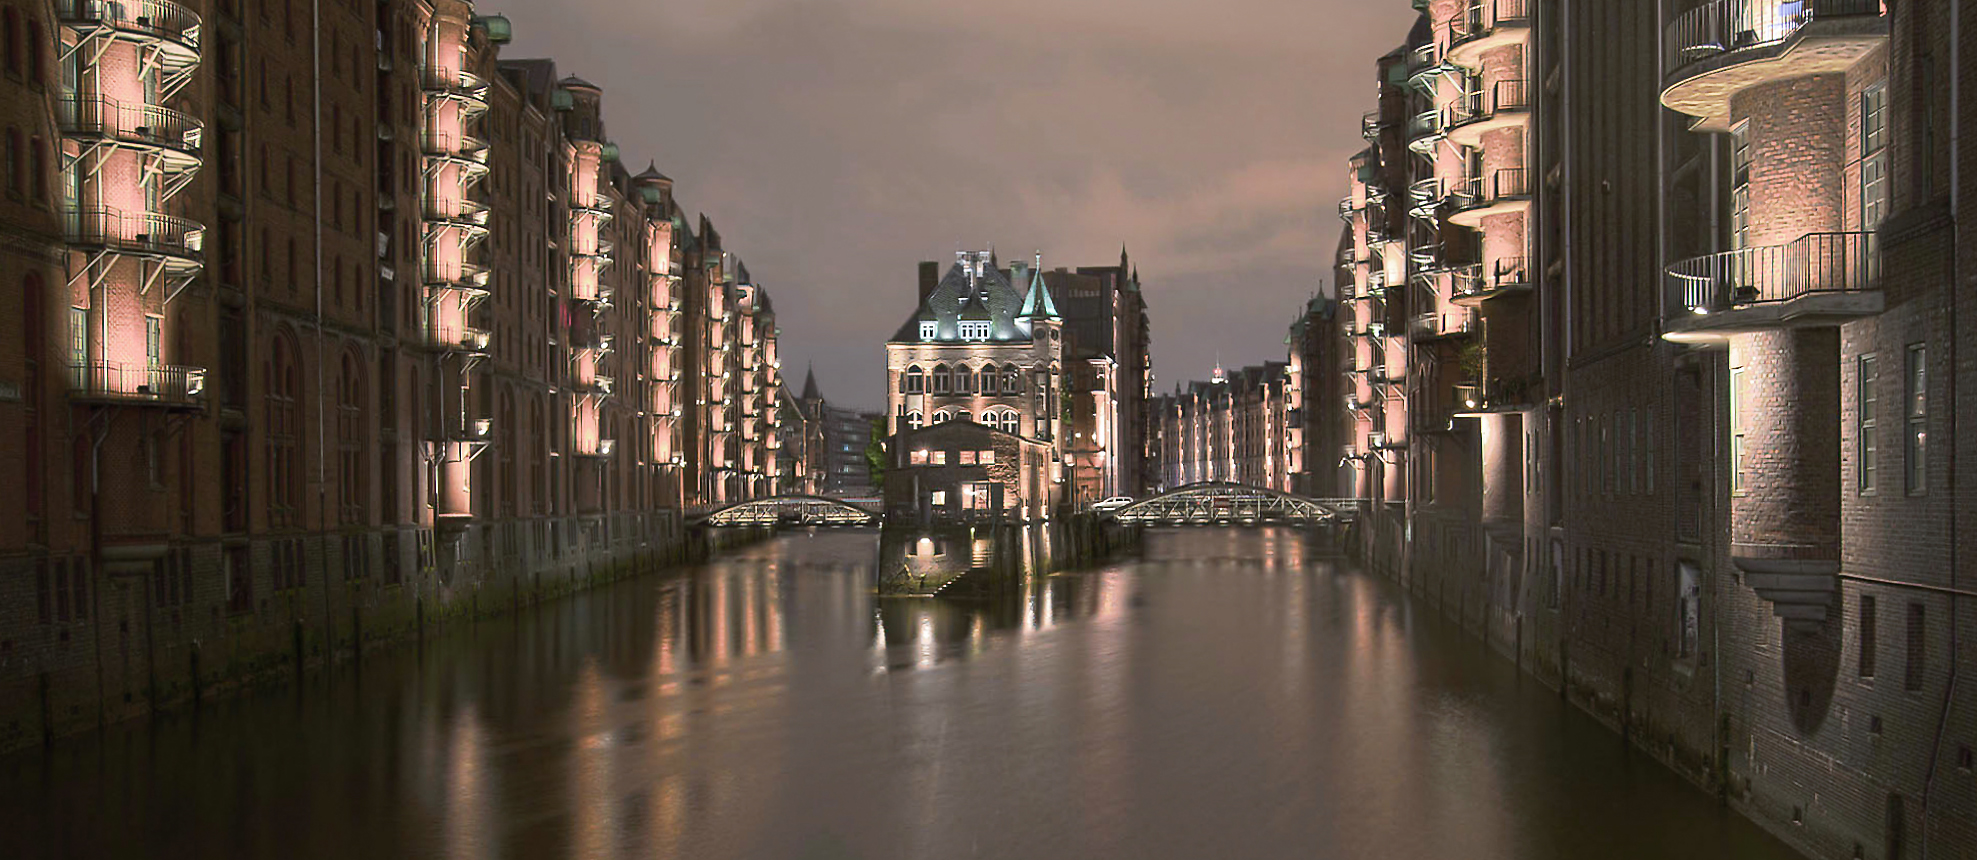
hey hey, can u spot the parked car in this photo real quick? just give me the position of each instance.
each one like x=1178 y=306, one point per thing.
x=1111 y=504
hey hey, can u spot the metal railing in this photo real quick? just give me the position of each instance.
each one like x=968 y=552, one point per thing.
x=1500 y=97
x=1504 y=183
x=1484 y=17
x=137 y=232
x=1371 y=124
x=457 y=81
x=146 y=124
x=159 y=383
x=1814 y=263
x=465 y=338
x=161 y=19
x=1726 y=26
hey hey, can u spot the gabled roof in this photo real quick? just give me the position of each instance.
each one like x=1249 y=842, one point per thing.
x=962 y=295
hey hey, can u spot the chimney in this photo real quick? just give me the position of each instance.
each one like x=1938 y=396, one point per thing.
x=929 y=278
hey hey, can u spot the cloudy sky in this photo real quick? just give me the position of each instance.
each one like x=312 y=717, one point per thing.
x=836 y=143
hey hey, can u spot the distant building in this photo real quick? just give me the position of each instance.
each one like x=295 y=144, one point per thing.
x=1315 y=421
x=1230 y=429
x=1109 y=375
x=832 y=441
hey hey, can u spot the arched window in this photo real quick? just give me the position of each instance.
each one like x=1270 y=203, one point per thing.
x=1006 y=421
x=1012 y=379
x=35 y=343
x=538 y=459
x=37 y=168
x=16 y=164
x=964 y=379
x=350 y=440
x=941 y=417
x=10 y=30
x=506 y=437
x=942 y=382
x=915 y=381
x=914 y=420
x=284 y=472
x=988 y=379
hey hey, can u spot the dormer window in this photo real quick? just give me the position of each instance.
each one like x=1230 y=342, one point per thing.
x=927 y=331
x=974 y=331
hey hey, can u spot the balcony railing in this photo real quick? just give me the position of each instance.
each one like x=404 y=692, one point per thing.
x=147 y=233
x=1484 y=17
x=1501 y=185
x=1815 y=263
x=156 y=19
x=458 y=82
x=1727 y=26
x=1371 y=125
x=1500 y=97
x=163 y=384
x=138 y=124
x=459 y=338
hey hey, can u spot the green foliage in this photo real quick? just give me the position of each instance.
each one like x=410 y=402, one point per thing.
x=875 y=454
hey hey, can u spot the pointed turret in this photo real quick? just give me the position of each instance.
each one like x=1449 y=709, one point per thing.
x=1037 y=302
x=810 y=384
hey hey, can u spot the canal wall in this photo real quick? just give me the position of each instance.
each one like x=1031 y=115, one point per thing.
x=176 y=636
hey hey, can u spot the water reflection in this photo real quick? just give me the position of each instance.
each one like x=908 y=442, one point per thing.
x=1232 y=693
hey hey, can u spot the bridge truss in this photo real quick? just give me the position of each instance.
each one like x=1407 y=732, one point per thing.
x=1232 y=504
x=791 y=510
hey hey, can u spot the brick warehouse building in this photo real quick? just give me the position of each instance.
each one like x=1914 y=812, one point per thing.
x=1674 y=458
x=327 y=326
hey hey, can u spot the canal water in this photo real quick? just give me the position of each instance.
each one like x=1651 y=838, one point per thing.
x=1228 y=694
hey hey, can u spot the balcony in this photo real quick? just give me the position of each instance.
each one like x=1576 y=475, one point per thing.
x=464 y=151
x=474 y=430
x=172 y=135
x=1425 y=197
x=456 y=84
x=1722 y=48
x=169 y=26
x=1504 y=104
x=1479 y=283
x=1372 y=125
x=1427 y=130
x=1435 y=326
x=1489 y=24
x=1820 y=279
x=1503 y=191
x=164 y=385
x=597 y=450
x=173 y=241
x=459 y=338
x=596 y=384
x=467 y=216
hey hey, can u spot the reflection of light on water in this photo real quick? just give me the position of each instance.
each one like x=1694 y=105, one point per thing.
x=466 y=797
x=977 y=635
x=1029 y=605
x=719 y=613
x=878 y=642
x=591 y=761
x=923 y=640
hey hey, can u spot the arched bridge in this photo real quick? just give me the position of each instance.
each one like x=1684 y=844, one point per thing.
x=1232 y=504
x=793 y=510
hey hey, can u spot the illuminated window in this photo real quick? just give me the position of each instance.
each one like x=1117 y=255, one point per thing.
x=974 y=331
x=927 y=330
x=1012 y=379
x=939 y=498
x=915 y=381
x=153 y=335
x=1740 y=162
x=1736 y=431
x=913 y=420
x=943 y=380
x=965 y=458
x=986 y=457
x=1873 y=156
x=918 y=458
x=1866 y=440
x=938 y=458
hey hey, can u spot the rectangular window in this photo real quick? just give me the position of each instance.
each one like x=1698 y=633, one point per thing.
x=1869 y=646
x=1873 y=156
x=153 y=330
x=1865 y=443
x=1918 y=640
x=1736 y=431
x=1689 y=609
x=1740 y=163
x=1917 y=402
x=1633 y=451
x=986 y=458
x=967 y=458
x=1647 y=452
x=939 y=498
x=918 y=458
x=927 y=330
x=974 y=331
x=938 y=458
x=78 y=337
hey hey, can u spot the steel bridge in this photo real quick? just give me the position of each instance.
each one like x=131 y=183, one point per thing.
x=1217 y=504
x=789 y=510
